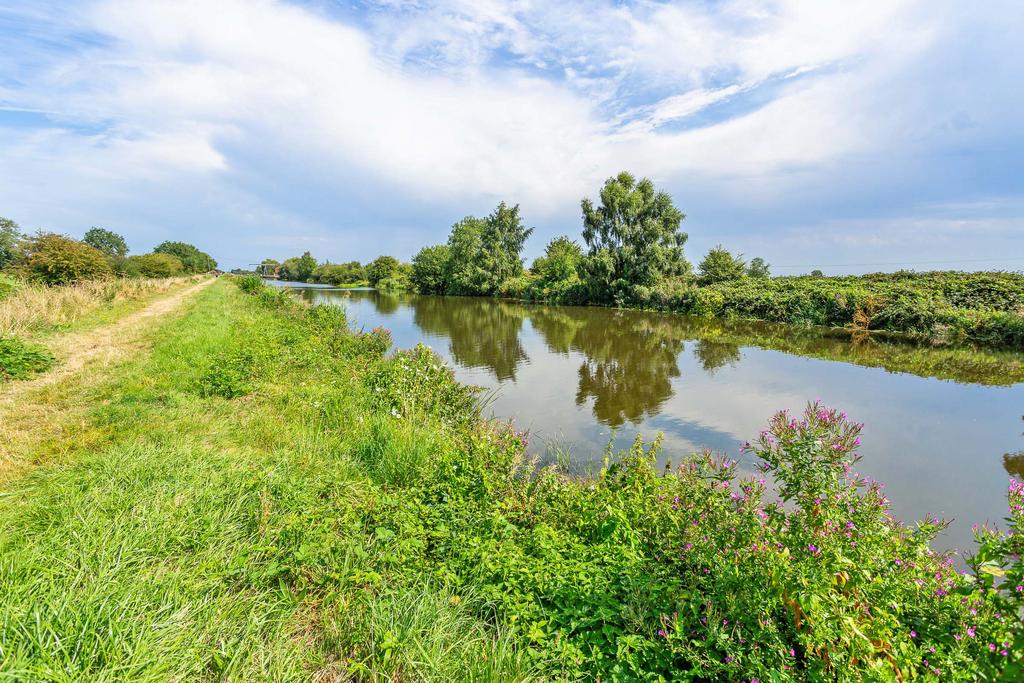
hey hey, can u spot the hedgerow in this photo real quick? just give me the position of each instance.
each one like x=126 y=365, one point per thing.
x=942 y=307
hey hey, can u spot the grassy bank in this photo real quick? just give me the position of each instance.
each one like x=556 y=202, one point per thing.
x=267 y=496
x=939 y=307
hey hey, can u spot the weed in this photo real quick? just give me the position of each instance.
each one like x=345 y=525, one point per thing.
x=19 y=360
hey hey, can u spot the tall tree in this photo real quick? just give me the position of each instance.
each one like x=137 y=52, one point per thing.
x=430 y=269
x=560 y=261
x=380 y=268
x=465 y=243
x=758 y=268
x=501 y=246
x=107 y=241
x=10 y=236
x=633 y=238
x=298 y=268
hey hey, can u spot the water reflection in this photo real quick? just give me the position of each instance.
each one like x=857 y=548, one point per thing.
x=629 y=359
x=1013 y=463
x=714 y=354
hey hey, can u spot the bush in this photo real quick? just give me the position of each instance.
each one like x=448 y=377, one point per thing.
x=417 y=382
x=250 y=284
x=60 y=260
x=236 y=370
x=393 y=284
x=156 y=265
x=8 y=285
x=941 y=307
x=721 y=266
x=19 y=360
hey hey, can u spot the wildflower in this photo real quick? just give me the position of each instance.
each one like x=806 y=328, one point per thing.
x=662 y=633
x=971 y=631
x=992 y=647
x=913 y=633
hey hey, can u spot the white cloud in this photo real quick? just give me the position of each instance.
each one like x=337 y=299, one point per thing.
x=462 y=102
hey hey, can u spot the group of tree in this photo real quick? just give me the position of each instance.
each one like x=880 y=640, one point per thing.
x=632 y=242
x=101 y=253
x=385 y=272
x=482 y=256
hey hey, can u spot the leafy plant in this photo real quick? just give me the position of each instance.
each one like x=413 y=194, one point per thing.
x=19 y=360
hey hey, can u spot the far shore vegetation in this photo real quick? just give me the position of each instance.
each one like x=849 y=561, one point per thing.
x=632 y=256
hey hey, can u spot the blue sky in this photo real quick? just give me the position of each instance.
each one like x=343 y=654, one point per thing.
x=810 y=133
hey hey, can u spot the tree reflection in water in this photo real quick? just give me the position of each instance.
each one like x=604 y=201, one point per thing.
x=482 y=333
x=1013 y=463
x=629 y=362
x=631 y=357
x=714 y=354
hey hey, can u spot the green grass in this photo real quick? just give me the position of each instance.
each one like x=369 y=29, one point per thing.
x=265 y=496
x=156 y=554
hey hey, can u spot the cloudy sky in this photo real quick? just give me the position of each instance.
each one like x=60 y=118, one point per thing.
x=811 y=132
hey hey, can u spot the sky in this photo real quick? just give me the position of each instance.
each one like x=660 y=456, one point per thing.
x=850 y=137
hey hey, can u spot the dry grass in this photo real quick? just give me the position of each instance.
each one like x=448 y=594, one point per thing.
x=46 y=414
x=35 y=308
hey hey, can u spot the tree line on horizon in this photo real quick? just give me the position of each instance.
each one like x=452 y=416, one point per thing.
x=59 y=259
x=632 y=242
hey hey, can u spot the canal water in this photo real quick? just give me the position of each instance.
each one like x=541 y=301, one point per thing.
x=943 y=427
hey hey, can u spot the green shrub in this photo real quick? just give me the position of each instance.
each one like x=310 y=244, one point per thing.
x=8 y=285
x=193 y=260
x=417 y=382
x=60 y=260
x=393 y=284
x=942 y=307
x=19 y=360
x=250 y=284
x=156 y=265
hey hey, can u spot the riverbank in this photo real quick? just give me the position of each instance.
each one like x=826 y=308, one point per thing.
x=262 y=494
x=940 y=308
